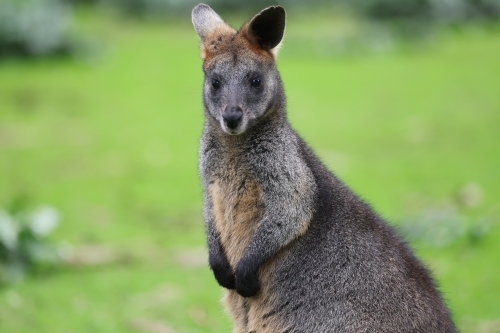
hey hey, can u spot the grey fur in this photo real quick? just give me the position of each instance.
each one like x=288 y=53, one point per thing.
x=295 y=249
x=205 y=20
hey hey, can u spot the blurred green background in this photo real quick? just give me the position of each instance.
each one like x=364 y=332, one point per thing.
x=100 y=118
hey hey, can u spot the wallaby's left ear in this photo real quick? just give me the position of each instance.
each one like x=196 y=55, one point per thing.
x=267 y=28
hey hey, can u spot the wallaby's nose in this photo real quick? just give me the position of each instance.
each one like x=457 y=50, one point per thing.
x=232 y=117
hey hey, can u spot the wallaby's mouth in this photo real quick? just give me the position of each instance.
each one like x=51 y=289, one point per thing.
x=232 y=131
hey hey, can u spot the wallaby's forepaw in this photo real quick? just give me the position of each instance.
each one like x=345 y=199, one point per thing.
x=223 y=273
x=247 y=279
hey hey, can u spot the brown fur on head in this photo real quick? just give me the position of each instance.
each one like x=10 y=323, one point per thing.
x=262 y=34
x=242 y=84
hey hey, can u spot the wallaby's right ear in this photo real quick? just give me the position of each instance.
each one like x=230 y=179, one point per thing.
x=206 y=21
x=267 y=28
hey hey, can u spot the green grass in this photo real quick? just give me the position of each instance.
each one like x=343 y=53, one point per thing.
x=112 y=142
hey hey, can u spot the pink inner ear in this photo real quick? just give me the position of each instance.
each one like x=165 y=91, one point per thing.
x=206 y=21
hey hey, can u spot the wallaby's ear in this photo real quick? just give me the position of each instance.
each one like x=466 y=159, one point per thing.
x=206 y=21
x=267 y=28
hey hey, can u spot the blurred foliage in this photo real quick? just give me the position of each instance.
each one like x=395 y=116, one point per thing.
x=39 y=28
x=441 y=227
x=440 y=10
x=435 y=10
x=166 y=7
x=35 y=28
x=24 y=245
x=445 y=224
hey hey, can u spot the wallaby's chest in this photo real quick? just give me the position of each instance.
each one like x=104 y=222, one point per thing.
x=238 y=208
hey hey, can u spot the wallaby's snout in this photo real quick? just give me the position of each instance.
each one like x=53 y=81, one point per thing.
x=232 y=117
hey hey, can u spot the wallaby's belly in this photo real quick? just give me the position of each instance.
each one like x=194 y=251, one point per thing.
x=260 y=313
x=238 y=208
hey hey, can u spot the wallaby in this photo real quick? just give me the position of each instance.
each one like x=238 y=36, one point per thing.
x=295 y=249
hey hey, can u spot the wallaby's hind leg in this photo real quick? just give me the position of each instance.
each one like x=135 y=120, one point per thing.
x=237 y=307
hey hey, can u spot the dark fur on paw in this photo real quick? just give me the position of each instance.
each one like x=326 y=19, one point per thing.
x=223 y=273
x=247 y=279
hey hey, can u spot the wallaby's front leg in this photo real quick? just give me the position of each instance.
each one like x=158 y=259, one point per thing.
x=288 y=193
x=217 y=258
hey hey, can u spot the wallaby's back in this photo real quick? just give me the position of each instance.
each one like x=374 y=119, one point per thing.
x=295 y=249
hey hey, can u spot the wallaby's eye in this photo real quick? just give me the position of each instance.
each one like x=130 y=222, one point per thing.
x=215 y=84
x=256 y=82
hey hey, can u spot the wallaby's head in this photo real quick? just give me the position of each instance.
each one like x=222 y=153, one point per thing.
x=242 y=85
